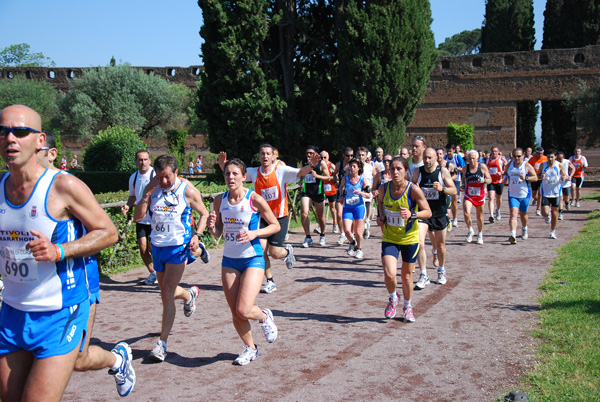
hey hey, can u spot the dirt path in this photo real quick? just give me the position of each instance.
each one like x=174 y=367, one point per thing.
x=470 y=339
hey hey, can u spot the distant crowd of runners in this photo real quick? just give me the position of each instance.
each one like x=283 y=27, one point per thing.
x=51 y=227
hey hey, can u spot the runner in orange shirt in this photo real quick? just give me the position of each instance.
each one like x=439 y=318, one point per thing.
x=580 y=162
x=495 y=165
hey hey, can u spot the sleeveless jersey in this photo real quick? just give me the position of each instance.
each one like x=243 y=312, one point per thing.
x=412 y=166
x=496 y=168
x=475 y=184
x=458 y=162
x=238 y=218
x=579 y=165
x=273 y=186
x=352 y=200
x=397 y=230
x=329 y=187
x=312 y=185
x=438 y=202
x=171 y=216
x=566 y=183
x=551 y=185
x=32 y=285
x=518 y=188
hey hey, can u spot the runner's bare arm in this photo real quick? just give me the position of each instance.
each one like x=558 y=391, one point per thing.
x=194 y=200
x=265 y=213
x=308 y=168
x=72 y=198
x=447 y=186
x=214 y=223
x=222 y=159
x=486 y=174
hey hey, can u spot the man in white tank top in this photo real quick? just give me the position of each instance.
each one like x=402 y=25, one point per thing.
x=170 y=201
x=552 y=175
x=48 y=277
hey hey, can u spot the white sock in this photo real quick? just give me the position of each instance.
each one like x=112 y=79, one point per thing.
x=441 y=269
x=118 y=362
x=513 y=233
x=424 y=272
x=480 y=234
x=524 y=228
x=434 y=252
x=394 y=296
x=406 y=303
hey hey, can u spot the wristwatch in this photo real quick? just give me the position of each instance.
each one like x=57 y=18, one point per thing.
x=413 y=215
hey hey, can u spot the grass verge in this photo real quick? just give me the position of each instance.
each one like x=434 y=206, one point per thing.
x=569 y=351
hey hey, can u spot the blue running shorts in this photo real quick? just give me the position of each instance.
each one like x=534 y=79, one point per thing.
x=409 y=252
x=354 y=213
x=45 y=333
x=169 y=255
x=242 y=264
x=521 y=203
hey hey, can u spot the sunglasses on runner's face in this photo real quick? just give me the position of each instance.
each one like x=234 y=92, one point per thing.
x=19 y=132
x=387 y=160
x=349 y=156
x=518 y=156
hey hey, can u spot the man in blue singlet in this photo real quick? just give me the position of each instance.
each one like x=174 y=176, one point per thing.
x=46 y=300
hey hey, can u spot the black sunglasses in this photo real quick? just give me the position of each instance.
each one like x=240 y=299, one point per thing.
x=349 y=156
x=19 y=132
x=387 y=160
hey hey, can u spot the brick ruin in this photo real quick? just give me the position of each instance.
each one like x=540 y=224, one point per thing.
x=480 y=89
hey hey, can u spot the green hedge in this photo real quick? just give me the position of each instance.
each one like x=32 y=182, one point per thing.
x=104 y=182
x=461 y=134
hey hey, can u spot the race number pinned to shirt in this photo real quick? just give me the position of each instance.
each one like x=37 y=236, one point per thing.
x=309 y=178
x=431 y=193
x=18 y=265
x=393 y=218
x=270 y=194
x=474 y=191
x=327 y=187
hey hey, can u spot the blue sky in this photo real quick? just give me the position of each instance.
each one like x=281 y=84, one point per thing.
x=83 y=33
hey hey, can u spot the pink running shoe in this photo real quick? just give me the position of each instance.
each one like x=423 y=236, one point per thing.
x=390 y=310
x=408 y=314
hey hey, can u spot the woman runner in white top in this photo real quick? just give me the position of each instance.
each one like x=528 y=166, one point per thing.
x=243 y=263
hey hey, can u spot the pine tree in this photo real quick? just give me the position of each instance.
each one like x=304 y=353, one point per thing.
x=567 y=24
x=508 y=27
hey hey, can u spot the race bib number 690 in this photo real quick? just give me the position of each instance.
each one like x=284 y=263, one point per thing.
x=18 y=265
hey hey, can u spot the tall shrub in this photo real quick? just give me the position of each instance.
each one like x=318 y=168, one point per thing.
x=113 y=149
x=460 y=134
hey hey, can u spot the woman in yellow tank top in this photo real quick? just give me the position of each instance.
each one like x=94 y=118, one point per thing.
x=401 y=204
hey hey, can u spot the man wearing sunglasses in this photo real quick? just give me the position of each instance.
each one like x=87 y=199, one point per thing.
x=46 y=302
x=520 y=176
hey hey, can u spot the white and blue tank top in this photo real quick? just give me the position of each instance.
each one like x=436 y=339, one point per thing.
x=32 y=285
x=171 y=216
x=236 y=218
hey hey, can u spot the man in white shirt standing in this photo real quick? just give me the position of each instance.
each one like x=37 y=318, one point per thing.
x=137 y=183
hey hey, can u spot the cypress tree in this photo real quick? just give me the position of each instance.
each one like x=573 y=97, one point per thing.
x=567 y=24
x=508 y=27
x=388 y=52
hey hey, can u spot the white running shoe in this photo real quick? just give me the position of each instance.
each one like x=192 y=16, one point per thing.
x=538 y=212
x=568 y=205
x=435 y=260
x=547 y=220
x=336 y=230
x=317 y=230
x=577 y=204
x=287 y=237
x=359 y=254
x=455 y=222
x=151 y=279
x=341 y=239
x=524 y=235
x=322 y=240
x=351 y=252
x=290 y=260
x=480 y=238
x=367 y=232
x=560 y=216
x=190 y=307
x=534 y=202
x=268 y=287
x=125 y=374
x=247 y=356
x=498 y=215
x=553 y=235
x=470 y=234
x=307 y=242
x=205 y=257
x=268 y=326
x=159 y=353
x=441 y=277
x=422 y=282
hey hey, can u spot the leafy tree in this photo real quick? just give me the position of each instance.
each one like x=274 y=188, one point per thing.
x=113 y=149
x=20 y=56
x=389 y=52
x=176 y=146
x=40 y=96
x=460 y=44
x=121 y=95
x=508 y=27
x=567 y=24
x=460 y=134
x=239 y=102
x=329 y=72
